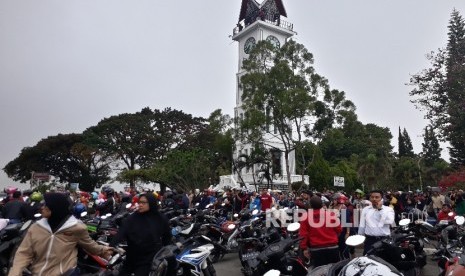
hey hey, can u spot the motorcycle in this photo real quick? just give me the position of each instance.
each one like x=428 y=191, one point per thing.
x=282 y=256
x=10 y=238
x=409 y=236
x=96 y=265
x=224 y=235
x=403 y=259
x=365 y=265
x=194 y=257
x=164 y=262
x=450 y=256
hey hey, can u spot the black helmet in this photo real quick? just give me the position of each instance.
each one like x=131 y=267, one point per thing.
x=108 y=191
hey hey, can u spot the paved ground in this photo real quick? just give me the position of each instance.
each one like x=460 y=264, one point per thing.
x=230 y=266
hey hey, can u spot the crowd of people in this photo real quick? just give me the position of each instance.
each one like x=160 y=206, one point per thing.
x=377 y=212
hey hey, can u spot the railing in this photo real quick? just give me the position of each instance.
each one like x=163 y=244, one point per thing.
x=268 y=19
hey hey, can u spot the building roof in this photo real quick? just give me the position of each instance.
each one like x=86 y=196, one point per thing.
x=251 y=6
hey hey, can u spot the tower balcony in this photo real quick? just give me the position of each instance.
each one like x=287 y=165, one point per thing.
x=270 y=19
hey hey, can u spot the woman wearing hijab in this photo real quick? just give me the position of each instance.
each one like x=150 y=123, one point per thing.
x=49 y=246
x=145 y=231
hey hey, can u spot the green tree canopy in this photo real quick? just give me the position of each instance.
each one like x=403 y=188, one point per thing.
x=439 y=90
x=67 y=157
x=283 y=97
x=139 y=140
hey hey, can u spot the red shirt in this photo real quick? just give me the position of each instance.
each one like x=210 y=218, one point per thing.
x=266 y=200
x=445 y=216
x=320 y=229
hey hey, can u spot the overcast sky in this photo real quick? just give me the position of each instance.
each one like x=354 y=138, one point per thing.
x=65 y=65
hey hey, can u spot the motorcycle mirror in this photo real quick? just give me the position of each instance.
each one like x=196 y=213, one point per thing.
x=128 y=205
x=231 y=226
x=38 y=215
x=355 y=240
x=83 y=214
x=404 y=222
x=254 y=212
x=272 y=272
x=293 y=227
x=25 y=225
x=236 y=215
x=460 y=220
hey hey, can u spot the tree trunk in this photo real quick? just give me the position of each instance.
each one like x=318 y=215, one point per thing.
x=288 y=171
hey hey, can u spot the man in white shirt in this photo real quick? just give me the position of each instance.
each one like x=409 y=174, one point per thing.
x=375 y=220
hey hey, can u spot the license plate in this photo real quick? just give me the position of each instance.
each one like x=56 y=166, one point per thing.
x=250 y=255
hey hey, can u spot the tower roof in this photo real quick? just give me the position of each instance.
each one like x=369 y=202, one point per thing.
x=270 y=7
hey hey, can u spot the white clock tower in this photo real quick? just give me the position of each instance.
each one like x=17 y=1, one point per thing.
x=261 y=21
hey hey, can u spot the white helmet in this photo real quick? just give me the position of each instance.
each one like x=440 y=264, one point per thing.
x=368 y=266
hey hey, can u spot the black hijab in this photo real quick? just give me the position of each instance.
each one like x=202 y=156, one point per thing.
x=153 y=204
x=60 y=206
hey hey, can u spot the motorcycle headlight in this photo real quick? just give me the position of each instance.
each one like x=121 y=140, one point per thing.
x=289 y=268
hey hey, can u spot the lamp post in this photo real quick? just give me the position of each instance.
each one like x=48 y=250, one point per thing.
x=419 y=172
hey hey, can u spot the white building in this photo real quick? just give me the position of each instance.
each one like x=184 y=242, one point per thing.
x=261 y=22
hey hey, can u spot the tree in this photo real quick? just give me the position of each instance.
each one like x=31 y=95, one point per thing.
x=139 y=140
x=431 y=148
x=406 y=172
x=401 y=143
x=280 y=88
x=333 y=110
x=184 y=170
x=439 y=90
x=68 y=157
x=405 y=144
x=320 y=173
x=220 y=133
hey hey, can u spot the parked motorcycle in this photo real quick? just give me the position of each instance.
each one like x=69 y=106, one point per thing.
x=10 y=238
x=194 y=257
x=450 y=256
x=361 y=266
x=282 y=256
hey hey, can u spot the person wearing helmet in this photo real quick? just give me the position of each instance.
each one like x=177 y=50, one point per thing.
x=109 y=205
x=78 y=209
x=15 y=210
x=33 y=208
x=9 y=191
x=50 y=245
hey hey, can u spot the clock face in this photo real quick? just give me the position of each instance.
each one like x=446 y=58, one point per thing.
x=249 y=44
x=274 y=41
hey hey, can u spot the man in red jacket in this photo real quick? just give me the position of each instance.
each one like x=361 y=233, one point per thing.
x=320 y=232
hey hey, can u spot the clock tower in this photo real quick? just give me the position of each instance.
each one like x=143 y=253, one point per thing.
x=261 y=21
